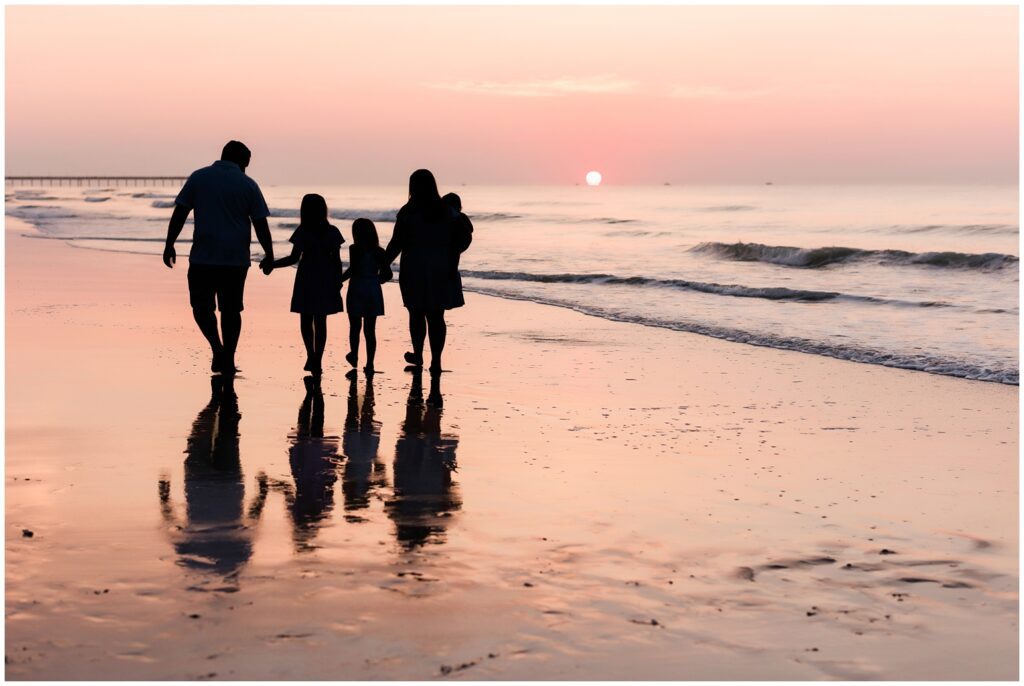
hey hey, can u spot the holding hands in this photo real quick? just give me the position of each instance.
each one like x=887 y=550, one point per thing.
x=267 y=264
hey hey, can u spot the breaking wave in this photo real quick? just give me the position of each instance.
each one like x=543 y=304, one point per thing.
x=732 y=290
x=813 y=258
x=935 y=364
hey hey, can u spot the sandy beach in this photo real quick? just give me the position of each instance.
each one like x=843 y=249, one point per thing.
x=595 y=500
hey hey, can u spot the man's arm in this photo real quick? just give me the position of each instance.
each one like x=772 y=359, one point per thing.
x=263 y=236
x=174 y=228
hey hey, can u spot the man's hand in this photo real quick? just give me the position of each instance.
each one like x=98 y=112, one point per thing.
x=170 y=256
x=267 y=265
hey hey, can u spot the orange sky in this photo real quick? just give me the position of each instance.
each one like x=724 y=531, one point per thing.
x=518 y=94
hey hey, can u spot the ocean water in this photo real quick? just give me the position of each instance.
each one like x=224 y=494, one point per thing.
x=917 y=277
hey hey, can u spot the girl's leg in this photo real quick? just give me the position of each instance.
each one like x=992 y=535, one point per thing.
x=370 y=330
x=319 y=338
x=417 y=332
x=354 y=323
x=306 y=327
x=438 y=334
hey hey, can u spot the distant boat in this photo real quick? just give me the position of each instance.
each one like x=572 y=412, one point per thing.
x=768 y=183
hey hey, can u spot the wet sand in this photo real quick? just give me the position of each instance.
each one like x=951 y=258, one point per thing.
x=596 y=500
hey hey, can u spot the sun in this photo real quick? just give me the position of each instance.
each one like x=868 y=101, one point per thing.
x=593 y=178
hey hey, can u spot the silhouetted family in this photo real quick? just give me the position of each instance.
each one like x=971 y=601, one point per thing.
x=430 y=234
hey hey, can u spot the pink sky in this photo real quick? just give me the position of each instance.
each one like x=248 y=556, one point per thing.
x=518 y=94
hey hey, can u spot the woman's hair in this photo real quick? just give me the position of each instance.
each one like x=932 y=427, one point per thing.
x=423 y=195
x=364 y=234
x=313 y=211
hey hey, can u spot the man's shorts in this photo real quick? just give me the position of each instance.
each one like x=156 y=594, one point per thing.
x=208 y=280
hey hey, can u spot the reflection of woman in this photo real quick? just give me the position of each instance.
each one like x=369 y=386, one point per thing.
x=313 y=458
x=216 y=534
x=423 y=235
x=364 y=472
x=424 y=494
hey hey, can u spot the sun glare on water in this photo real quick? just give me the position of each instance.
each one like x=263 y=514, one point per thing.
x=593 y=178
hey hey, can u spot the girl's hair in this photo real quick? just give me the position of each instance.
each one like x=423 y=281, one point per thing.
x=313 y=211
x=453 y=201
x=423 y=195
x=364 y=234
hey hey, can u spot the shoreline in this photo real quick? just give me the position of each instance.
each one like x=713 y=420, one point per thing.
x=745 y=338
x=942 y=367
x=664 y=505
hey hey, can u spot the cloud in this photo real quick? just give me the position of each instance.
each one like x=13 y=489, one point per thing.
x=543 y=88
x=713 y=93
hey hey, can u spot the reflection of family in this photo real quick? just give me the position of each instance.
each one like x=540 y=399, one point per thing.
x=213 y=530
x=430 y=233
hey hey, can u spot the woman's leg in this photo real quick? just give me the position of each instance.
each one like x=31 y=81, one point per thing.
x=370 y=331
x=438 y=334
x=417 y=332
x=306 y=327
x=354 y=324
x=319 y=337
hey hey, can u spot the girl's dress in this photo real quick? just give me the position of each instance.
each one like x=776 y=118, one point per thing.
x=318 y=278
x=364 y=297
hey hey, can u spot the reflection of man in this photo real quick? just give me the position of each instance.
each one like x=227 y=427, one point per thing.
x=424 y=494
x=215 y=536
x=224 y=200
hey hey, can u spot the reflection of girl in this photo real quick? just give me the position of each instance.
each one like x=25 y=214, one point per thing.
x=424 y=494
x=313 y=459
x=364 y=472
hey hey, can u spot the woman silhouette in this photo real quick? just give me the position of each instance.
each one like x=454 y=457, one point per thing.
x=423 y=235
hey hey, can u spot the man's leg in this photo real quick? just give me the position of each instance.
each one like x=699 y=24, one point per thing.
x=230 y=287
x=231 y=329
x=201 y=290
x=207 y=322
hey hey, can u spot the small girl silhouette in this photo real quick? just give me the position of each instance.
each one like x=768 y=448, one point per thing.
x=317 y=291
x=365 y=300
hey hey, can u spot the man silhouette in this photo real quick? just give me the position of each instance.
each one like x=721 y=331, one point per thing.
x=225 y=200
